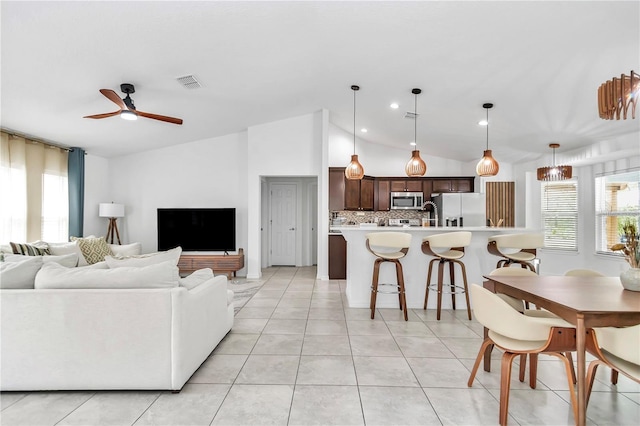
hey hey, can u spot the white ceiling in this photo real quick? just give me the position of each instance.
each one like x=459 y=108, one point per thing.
x=540 y=63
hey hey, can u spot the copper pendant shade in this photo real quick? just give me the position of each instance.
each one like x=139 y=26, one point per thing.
x=487 y=166
x=416 y=167
x=618 y=95
x=555 y=173
x=354 y=169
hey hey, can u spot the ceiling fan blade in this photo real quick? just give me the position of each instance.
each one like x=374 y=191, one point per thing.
x=105 y=115
x=113 y=97
x=159 y=117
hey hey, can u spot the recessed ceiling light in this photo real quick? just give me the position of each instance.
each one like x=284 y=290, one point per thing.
x=483 y=122
x=394 y=105
x=412 y=143
x=363 y=130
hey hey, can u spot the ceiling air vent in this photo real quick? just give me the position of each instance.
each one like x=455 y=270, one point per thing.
x=410 y=115
x=189 y=82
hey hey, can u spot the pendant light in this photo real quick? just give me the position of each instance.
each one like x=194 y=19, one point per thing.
x=354 y=170
x=487 y=166
x=416 y=166
x=554 y=172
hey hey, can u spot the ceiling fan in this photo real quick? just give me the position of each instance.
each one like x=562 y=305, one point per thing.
x=127 y=109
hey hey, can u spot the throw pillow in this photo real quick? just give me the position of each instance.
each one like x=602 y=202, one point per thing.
x=20 y=274
x=196 y=278
x=30 y=249
x=60 y=249
x=93 y=249
x=172 y=256
x=52 y=275
x=133 y=249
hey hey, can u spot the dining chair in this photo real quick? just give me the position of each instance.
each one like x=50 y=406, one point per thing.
x=517 y=304
x=583 y=273
x=516 y=335
x=516 y=248
x=388 y=247
x=617 y=348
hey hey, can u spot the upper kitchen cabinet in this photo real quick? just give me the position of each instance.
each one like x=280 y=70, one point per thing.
x=336 y=188
x=458 y=184
x=359 y=194
x=406 y=185
x=383 y=194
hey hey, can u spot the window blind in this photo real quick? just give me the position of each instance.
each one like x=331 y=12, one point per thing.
x=560 y=215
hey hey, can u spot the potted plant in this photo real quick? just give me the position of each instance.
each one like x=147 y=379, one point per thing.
x=629 y=231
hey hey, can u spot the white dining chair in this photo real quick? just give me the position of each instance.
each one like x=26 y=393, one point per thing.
x=582 y=273
x=618 y=349
x=516 y=335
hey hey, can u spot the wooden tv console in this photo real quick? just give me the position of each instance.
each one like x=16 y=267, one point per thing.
x=220 y=263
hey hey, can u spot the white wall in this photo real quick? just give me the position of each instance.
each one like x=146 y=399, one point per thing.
x=291 y=147
x=97 y=189
x=206 y=173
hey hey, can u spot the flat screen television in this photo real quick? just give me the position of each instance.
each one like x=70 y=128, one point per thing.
x=197 y=229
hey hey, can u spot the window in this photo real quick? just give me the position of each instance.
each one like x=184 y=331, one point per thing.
x=617 y=197
x=560 y=215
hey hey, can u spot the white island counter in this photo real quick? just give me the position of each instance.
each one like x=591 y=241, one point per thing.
x=478 y=261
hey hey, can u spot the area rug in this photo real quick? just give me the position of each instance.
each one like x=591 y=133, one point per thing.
x=243 y=291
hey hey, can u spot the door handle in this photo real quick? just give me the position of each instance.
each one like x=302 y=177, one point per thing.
x=292 y=229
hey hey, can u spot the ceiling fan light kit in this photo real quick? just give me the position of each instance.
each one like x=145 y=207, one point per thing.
x=416 y=166
x=487 y=166
x=617 y=95
x=354 y=169
x=554 y=173
x=128 y=110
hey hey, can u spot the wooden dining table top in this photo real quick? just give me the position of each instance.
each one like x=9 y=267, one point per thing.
x=601 y=300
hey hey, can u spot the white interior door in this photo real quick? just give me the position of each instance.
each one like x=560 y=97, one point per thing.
x=313 y=211
x=283 y=223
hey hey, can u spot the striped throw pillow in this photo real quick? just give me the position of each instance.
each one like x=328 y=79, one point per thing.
x=30 y=249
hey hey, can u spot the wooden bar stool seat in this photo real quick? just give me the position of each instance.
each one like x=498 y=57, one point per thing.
x=447 y=248
x=388 y=247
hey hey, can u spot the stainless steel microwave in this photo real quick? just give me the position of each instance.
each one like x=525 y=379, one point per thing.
x=406 y=200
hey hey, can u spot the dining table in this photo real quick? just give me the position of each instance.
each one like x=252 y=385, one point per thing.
x=585 y=302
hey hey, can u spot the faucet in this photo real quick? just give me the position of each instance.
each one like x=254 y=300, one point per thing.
x=435 y=210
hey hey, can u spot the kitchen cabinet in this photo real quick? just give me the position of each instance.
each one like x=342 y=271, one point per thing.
x=359 y=194
x=406 y=185
x=452 y=185
x=337 y=257
x=336 y=188
x=383 y=195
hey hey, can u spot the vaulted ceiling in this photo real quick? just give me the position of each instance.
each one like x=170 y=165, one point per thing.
x=540 y=63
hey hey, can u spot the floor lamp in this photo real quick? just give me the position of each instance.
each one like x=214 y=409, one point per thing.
x=113 y=212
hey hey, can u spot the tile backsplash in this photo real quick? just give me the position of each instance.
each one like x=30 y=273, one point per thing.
x=356 y=217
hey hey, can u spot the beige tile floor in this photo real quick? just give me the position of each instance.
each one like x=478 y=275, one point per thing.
x=298 y=355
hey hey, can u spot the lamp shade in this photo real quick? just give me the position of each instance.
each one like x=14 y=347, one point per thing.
x=111 y=210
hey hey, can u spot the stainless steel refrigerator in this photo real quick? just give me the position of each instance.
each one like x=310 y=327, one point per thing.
x=470 y=206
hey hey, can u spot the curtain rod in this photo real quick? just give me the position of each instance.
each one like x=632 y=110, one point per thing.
x=22 y=135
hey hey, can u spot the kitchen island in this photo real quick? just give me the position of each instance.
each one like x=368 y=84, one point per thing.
x=478 y=262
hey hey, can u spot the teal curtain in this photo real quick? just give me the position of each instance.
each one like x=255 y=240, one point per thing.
x=76 y=191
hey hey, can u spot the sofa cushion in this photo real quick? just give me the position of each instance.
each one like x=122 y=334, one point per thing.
x=68 y=260
x=94 y=249
x=161 y=275
x=33 y=249
x=172 y=255
x=59 y=249
x=196 y=278
x=229 y=297
x=20 y=273
x=132 y=249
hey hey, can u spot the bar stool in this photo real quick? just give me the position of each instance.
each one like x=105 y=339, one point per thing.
x=516 y=248
x=388 y=247
x=447 y=248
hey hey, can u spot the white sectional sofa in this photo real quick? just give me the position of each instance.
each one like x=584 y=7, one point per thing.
x=60 y=335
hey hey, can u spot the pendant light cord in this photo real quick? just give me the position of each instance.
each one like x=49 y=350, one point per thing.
x=415 y=122
x=354 y=122
x=487 y=129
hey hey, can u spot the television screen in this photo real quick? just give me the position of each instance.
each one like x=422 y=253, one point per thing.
x=197 y=229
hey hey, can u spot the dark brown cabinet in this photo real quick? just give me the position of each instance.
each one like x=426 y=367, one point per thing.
x=452 y=185
x=359 y=194
x=383 y=195
x=406 y=185
x=336 y=188
x=337 y=257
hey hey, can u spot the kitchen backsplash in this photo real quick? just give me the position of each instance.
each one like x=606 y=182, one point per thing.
x=355 y=217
